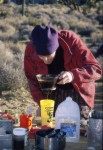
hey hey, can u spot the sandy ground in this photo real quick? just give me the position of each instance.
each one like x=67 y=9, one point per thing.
x=82 y=145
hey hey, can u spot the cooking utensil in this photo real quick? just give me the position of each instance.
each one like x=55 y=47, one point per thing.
x=48 y=139
x=47 y=81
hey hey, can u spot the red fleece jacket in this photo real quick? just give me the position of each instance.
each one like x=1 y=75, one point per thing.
x=77 y=58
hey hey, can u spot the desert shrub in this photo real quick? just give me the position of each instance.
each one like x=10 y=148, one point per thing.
x=6 y=31
x=99 y=6
x=3 y=13
x=12 y=75
x=24 y=31
x=41 y=17
x=5 y=54
x=11 y=71
x=33 y=21
x=99 y=18
x=97 y=37
x=60 y=24
x=83 y=28
x=7 y=76
x=1 y=1
x=16 y=47
x=100 y=60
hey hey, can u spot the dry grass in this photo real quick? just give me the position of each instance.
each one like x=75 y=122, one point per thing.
x=6 y=31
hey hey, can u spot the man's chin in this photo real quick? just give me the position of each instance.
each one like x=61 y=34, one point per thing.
x=48 y=63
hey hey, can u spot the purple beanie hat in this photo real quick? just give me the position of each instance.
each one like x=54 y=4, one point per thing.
x=45 y=39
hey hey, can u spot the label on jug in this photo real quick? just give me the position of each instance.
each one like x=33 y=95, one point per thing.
x=69 y=126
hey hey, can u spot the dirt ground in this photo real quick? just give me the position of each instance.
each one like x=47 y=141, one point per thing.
x=82 y=145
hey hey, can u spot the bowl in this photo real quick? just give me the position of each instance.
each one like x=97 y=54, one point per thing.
x=47 y=81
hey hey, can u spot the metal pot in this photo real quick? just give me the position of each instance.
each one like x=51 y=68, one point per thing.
x=50 y=139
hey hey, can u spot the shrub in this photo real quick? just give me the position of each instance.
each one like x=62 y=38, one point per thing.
x=3 y=13
x=11 y=71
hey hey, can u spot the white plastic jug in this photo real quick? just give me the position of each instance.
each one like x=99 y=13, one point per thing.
x=67 y=118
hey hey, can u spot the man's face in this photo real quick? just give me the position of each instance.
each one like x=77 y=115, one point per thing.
x=48 y=59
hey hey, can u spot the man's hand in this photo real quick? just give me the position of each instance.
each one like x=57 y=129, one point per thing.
x=65 y=77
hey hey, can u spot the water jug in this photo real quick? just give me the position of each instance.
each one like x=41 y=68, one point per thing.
x=67 y=118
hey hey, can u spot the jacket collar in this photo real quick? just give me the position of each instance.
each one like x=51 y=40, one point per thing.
x=64 y=44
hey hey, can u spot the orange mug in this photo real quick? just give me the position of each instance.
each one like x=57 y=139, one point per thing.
x=26 y=121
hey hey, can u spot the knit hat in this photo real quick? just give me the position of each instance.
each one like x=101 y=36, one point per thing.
x=45 y=40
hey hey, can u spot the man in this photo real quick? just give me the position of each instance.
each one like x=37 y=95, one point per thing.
x=63 y=53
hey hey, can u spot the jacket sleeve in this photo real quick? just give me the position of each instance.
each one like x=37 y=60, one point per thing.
x=88 y=69
x=29 y=69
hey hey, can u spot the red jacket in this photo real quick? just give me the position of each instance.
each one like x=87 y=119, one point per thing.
x=77 y=58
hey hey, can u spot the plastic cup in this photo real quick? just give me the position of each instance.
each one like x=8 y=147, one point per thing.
x=26 y=121
x=47 y=109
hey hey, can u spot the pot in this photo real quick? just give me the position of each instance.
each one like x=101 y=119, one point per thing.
x=50 y=139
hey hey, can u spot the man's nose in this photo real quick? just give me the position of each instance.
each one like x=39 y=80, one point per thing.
x=45 y=59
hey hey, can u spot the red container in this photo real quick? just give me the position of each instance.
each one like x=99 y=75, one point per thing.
x=26 y=121
x=33 y=130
